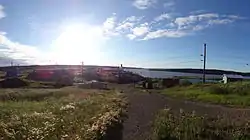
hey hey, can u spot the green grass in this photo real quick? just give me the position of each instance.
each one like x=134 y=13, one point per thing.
x=67 y=113
x=184 y=126
x=232 y=94
x=39 y=84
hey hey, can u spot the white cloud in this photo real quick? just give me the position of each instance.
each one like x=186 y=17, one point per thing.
x=14 y=51
x=235 y=17
x=198 y=12
x=128 y=23
x=125 y=26
x=165 y=33
x=166 y=25
x=19 y=52
x=141 y=30
x=183 y=26
x=202 y=21
x=133 y=19
x=131 y=36
x=131 y=27
x=170 y=25
x=181 y=21
x=199 y=27
x=207 y=16
x=109 y=24
x=168 y=4
x=144 y=4
x=3 y=33
x=2 y=14
x=220 y=21
x=163 y=17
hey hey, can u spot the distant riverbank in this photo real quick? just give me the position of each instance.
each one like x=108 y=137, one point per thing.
x=169 y=74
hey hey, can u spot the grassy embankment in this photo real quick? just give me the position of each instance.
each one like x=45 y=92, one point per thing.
x=232 y=94
x=191 y=127
x=67 y=113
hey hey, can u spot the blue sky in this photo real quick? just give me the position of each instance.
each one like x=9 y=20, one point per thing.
x=140 y=33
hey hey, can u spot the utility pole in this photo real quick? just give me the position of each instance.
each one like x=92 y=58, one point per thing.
x=82 y=71
x=204 y=63
x=119 y=73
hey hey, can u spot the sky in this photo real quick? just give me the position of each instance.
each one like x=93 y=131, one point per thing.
x=137 y=33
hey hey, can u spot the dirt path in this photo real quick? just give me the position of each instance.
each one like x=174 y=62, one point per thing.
x=144 y=106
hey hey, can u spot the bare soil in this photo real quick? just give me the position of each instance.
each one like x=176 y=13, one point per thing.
x=143 y=106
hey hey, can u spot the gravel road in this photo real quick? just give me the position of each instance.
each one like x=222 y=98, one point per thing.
x=143 y=107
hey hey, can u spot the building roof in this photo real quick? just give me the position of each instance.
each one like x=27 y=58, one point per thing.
x=234 y=76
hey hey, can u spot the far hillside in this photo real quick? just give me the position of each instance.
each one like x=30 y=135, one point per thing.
x=208 y=71
x=184 y=70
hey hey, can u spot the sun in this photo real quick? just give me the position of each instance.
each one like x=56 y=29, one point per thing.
x=77 y=43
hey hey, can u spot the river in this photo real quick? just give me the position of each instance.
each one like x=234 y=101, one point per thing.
x=167 y=74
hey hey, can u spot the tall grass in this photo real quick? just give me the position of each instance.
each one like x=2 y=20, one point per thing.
x=237 y=93
x=184 y=126
x=62 y=114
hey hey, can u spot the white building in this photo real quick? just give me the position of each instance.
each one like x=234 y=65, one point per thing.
x=233 y=77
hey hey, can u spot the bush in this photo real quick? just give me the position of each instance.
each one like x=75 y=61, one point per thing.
x=239 y=89
x=242 y=89
x=13 y=83
x=218 y=90
x=64 y=81
x=185 y=83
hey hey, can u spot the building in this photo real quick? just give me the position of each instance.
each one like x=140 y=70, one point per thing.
x=12 y=72
x=232 y=78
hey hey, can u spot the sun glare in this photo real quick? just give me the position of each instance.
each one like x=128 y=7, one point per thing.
x=77 y=43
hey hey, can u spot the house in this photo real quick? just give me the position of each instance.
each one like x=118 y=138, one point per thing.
x=232 y=78
x=50 y=75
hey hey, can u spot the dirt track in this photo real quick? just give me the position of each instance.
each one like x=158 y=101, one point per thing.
x=143 y=106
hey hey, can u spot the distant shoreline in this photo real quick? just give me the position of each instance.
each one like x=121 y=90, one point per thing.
x=183 y=70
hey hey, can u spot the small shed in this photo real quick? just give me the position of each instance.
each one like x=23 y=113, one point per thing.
x=231 y=78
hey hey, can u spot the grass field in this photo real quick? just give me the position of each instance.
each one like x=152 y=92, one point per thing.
x=235 y=94
x=67 y=113
x=191 y=127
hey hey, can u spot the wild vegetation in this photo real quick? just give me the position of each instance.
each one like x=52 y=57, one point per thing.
x=67 y=113
x=236 y=93
x=184 y=126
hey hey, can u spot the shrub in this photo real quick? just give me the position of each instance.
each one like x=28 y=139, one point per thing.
x=185 y=83
x=242 y=89
x=218 y=90
x=13 y=83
